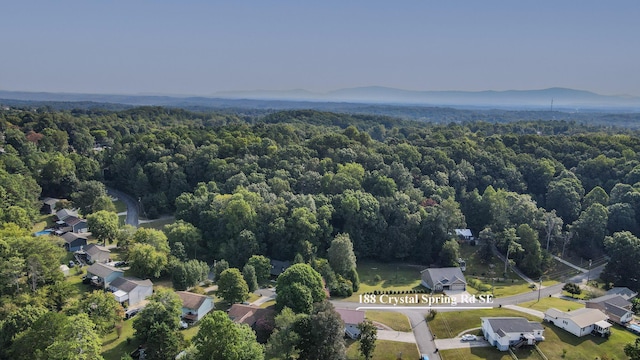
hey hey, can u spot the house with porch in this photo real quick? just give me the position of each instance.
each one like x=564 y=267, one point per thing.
x=441 y=279
x=580 y=322
x=131 y=289
x=505 y=332
x=103 y=275
x=195 y=306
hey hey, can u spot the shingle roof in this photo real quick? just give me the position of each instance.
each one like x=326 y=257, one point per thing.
x=50 y=201
x=278 y=267
x=582 y=317
x=613 y=299
x=512 y=324
x=351 y=316
x=191 y=300
x=71 y=237
x=625 y=292
x=93 y=249
x=65 y=213
x=73 y=221
x=128 y=284
x=615 y=310
x=247 y=314
x=446 y=275
x=102 y=270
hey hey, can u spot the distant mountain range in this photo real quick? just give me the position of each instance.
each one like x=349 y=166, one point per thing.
x=562 y=98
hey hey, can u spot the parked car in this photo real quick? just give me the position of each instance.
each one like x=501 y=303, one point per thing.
x=131 y=313
x=183 y=324
x=71 y=263
x=469 y=337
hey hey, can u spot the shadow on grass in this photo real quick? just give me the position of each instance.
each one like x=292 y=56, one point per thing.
x=119 y=350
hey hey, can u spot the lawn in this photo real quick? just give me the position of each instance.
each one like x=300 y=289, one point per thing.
x=557 y=341
x=552 y=302
x=476 y=353
x=394 y=320
x=158 y=224
x=120 y=206
x=392 y=277
x=448 y=324
x=113 y=347
x=385 y=350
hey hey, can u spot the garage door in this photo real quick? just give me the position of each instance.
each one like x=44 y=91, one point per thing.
x=457 y=287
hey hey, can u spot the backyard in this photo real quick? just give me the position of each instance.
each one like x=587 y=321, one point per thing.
x=385 y=350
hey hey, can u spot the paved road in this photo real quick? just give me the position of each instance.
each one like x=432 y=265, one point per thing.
x=132 y=206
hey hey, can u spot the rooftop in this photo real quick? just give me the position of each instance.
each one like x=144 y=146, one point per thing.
x=351 y=316
x=512 y=324
x=191 y=300
x=102 y=270
x=130 y=283
x=582 y=317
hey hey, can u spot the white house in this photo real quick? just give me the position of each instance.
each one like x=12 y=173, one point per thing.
x=464 y=234
x=439 y=279
x=503 y=332
x=131 y=289
x=195 y=306
x=580 y=322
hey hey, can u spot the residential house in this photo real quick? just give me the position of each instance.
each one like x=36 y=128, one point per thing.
x=131 y=289
x=49 y=205
x=504 y=332
x=62 y=214
x=195 y=306
x=97 y=254
x=248 y=314
x=70 y=219
x=580 y=322
x=73 y=242
x=440 y=279
x=278 y=267
x=351 y=319
x=103 y=275
x=625 y=292
x=616 y=307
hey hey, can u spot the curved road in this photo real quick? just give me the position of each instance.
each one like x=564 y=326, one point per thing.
x=132 y=206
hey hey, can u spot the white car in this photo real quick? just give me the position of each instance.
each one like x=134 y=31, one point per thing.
x=183 y=325
x=469 y=337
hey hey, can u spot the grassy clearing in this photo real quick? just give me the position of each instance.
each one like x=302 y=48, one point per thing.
x=552 y=302
x=159 y=223
x=113 y=348
x=476 y=353
x=270 y=303
x=558 y=341
x=394 y=320
x=559 y=272
x=450 y=323
x=120 y=206
x=385 y=350
x=387 y=277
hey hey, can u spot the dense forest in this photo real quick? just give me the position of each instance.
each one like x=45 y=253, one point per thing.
x=287 y=184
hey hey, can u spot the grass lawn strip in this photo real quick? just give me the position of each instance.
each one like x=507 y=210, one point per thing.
x=394 y=320
x=385 y=350
x=552 y=302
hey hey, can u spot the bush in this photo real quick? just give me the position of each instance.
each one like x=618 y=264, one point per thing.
x=377 y=278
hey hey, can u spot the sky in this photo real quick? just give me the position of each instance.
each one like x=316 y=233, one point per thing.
x=205 y=47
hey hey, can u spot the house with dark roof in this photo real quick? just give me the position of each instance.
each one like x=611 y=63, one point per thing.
x=73 y=242
x=49 y=205
x=441 y=279
x=77 y=224
x=97 y=254
x=616 y=307
x=130 y=289
x=625 y=292
x=580 y=322
x=195 y=306
x=104 y=274
x=248 y=314
x=351 y=319
x=504 y=332
x=278 y=267
x=63 y=214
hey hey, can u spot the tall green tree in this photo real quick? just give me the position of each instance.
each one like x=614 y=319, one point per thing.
x=368 y=337
x=146 y=261
x=232 y=287
x=103 y=309
x=321 y=334
x=164 y=307
x=103 y=225
x=294 y=284
x=625 y=248
x=530 y=260
x=340 y=255
x=219 y=338
x=262 y=266
x=450 y=253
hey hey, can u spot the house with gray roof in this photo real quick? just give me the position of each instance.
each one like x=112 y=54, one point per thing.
x=49 y=205
x=278 y=267
x=441 y=279
x=73 y=242
x=195 y=306
x=130 y=289
x=505 y=332
x=616 y=307
x=97 y=254
x=104 y=274
x=625 y=292
x=580 y=322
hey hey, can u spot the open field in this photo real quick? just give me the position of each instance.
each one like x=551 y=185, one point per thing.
x=385 y=350
x=552 y=302
x=392 y=277
x=394 y=320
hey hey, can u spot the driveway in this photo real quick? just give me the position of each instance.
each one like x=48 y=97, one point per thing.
x=457 y=343
x=400 y=336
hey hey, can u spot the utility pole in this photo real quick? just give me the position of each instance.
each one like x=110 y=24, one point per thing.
x=589 y=273
x=539 y=288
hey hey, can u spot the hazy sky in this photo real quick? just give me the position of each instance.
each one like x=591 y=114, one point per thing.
x=202 y=47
